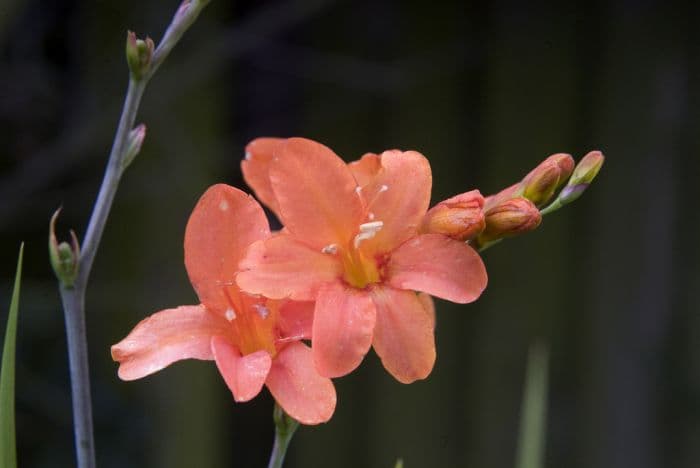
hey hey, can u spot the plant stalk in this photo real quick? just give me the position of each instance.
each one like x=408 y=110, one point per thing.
x=285 y=426
x=73 y=298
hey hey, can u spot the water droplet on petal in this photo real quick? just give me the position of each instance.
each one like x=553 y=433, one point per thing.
x=263 y=311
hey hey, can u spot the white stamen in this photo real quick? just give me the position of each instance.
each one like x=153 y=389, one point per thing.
x=372 y=227
x=248 y=155
x=368 y=231
x=223 y=206
x=370 y=216
x=330 y=249
x=263 y=311
x=230 y=314
x=383 y=188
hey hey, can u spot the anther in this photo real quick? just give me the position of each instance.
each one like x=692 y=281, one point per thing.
x=372 y=227
x=368 y=231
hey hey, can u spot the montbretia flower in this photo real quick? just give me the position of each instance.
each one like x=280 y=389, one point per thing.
x=255 y=341
x=352 y=243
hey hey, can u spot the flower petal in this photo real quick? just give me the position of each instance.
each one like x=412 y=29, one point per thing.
x=244 y=375
x=165 y=337
x=256 y=169
x=440 y=266
x=342 y=332
x=399 y=197
x=298 y=388
x=316 y=193
x=428 y=303
x=296 y=320
x=222 y=226
x=404 y=337
x=365 y=169
x=281 y=267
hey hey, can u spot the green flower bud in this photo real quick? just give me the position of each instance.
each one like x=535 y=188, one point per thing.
x=540 y=185
x=64 y=257
x=134 y=143
x=138 y=55
x=584 y=173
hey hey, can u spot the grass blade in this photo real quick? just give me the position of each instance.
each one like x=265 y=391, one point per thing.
x=533 y=419
x=8 y=448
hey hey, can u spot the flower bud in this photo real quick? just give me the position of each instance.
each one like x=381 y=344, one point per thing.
x=510 y=218
x=584 y=173
x=505 y=194
x=542 y=182
x=138 y=55
x=64 y=257
x=134 y=143
x=460 y=217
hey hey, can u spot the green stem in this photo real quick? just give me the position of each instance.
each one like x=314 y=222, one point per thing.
x=285 y=426
x=73 y=298
x=556 y=204
x=533 y=419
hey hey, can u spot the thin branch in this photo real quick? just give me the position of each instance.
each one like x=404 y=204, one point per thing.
x=73 y=298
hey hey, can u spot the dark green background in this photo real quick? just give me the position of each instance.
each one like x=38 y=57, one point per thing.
x=485 y=90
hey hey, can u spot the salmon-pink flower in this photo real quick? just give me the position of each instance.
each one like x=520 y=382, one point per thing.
x=352 y=243
x=255 y=341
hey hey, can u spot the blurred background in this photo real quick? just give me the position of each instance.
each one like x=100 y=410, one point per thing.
x=485 y=90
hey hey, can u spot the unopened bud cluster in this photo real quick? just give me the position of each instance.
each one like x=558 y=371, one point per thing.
x=516 y=209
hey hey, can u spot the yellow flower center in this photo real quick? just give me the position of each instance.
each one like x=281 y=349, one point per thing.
x=253 y=322
x=358 y=270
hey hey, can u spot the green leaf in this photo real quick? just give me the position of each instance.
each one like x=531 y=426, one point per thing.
x=534 y=410
x=8 y=448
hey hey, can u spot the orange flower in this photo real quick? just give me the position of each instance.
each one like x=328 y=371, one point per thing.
x=352 y=243
x=254 y=341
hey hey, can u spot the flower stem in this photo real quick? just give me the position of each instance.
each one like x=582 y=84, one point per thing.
x=554 y=206
x=285 y=426
x=73 y=297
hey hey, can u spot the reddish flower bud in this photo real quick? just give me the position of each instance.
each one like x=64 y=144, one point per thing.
x=543 y=181
x=460 y=217
x=505 y=194
x=510 y=218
